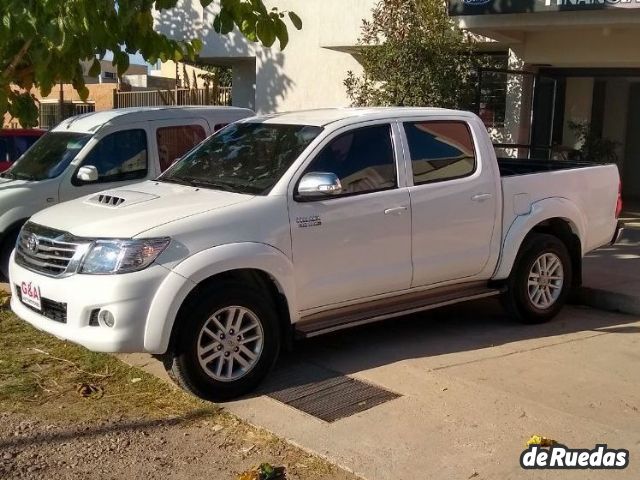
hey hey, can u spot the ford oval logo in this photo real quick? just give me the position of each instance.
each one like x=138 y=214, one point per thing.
x=33 y=243
x=475 y=3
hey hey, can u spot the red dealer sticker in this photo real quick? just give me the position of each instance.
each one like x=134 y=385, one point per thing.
x=31 y=295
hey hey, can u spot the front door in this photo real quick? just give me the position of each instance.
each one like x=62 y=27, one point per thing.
x=356 y=244
x=120 y=157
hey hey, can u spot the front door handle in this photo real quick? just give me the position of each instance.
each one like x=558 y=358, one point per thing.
x=481 y=197
x=395 y=211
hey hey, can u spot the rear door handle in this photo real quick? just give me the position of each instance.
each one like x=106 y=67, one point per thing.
x=481 y=197
x=395 y=211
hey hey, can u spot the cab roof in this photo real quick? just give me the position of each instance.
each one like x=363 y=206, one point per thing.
x=91 y=122
x=327 y=116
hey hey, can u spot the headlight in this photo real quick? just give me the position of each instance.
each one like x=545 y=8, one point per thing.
x=121 y=256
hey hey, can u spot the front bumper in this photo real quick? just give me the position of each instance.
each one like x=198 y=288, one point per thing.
x=618 y=233
x=127 y=296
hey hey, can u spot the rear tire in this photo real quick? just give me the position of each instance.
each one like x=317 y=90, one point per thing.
x=227 y=342
x=540 y=281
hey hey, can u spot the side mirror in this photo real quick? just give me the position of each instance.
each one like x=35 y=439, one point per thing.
x=319 y=184
x=87 y=174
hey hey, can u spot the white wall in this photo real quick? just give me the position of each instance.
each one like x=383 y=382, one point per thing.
x=308 y=74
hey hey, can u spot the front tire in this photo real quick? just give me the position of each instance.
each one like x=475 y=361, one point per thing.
x=227 y=342
x=540 y=281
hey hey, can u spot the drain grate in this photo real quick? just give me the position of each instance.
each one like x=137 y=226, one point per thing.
x=323 y=393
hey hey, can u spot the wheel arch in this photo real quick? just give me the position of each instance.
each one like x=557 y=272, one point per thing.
x=555 y=216
x=258 y=264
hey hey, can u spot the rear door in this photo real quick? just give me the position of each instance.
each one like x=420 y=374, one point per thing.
x=453 y=201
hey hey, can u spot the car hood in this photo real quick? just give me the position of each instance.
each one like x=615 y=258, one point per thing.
x=129 y=211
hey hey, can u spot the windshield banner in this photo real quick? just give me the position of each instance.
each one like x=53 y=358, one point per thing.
x=483 y=7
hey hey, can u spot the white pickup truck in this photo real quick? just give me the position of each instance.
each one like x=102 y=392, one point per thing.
x=305 y=223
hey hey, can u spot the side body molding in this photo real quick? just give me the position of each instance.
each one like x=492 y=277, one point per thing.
x=545 y=209
x=207 y=263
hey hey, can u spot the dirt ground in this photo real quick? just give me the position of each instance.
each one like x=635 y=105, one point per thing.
x=182 y=448
x=67 y=413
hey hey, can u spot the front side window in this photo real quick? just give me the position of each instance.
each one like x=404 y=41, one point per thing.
x=120 y=156
x=49 y=156
x=175 y=141
x=243 y=157
x=440 y=150
x=362 y=159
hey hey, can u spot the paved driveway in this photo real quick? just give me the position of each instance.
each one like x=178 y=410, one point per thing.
x=474 y=386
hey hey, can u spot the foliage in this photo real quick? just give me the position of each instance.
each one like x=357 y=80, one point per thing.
x=593 y=146
x=43 y=42
x=413 y=54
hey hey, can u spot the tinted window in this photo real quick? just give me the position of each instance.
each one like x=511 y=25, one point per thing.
x=5 y=149
x=174 y=142
x=440 y=150
x=243 y=157
x=120 y=156
x=362 y=159
x=22 y=144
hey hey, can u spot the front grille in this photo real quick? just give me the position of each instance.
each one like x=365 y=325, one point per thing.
x=45 y=250
x=56 y=311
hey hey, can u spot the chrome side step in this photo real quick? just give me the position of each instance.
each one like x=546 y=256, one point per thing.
x=353 y=316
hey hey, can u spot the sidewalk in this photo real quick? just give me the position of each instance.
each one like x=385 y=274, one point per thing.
x=611 y=276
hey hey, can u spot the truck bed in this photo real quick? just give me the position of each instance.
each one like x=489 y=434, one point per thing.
x=510 y=167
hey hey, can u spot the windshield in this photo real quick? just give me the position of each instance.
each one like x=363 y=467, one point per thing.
x=49 y=156
x=243 y=157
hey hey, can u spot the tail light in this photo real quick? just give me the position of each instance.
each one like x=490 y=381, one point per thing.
x=619 y=205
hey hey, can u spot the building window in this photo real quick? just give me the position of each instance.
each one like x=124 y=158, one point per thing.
x=493 y=81
x=110 y=75
x=440 y=150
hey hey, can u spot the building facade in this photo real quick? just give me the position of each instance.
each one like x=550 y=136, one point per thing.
x=567 y=66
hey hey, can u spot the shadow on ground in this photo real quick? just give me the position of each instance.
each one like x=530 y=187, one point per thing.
x=43 y=437
x=466 y=327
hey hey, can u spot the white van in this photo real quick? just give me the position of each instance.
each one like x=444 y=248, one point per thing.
x=97 y=151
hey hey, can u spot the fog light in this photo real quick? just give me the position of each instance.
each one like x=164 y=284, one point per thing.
x=106 y=318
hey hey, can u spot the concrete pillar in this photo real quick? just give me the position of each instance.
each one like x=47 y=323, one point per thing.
x=244 y=83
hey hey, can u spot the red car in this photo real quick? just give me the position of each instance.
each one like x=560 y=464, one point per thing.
x=14 y=142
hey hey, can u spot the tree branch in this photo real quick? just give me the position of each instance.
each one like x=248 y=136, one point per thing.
x=16 y=59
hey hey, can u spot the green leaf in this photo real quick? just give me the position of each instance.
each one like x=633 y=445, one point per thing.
x=296 y=20
x=95 y=69
x=226 y=22
x=265 y=32
x=282 y=33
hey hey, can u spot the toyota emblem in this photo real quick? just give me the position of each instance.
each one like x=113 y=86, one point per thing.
x=33 y=243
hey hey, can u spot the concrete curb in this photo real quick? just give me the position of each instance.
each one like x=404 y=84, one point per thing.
x=606 y=300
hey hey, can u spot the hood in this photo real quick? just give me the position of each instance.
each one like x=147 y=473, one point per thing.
x=129 y=211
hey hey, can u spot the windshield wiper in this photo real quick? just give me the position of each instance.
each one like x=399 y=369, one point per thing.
x=7 y=175
x=178 y=181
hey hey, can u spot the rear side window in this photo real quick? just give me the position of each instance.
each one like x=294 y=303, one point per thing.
x=363 y=160
x=174 y=142
x=440 y=150
x=120 y=156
